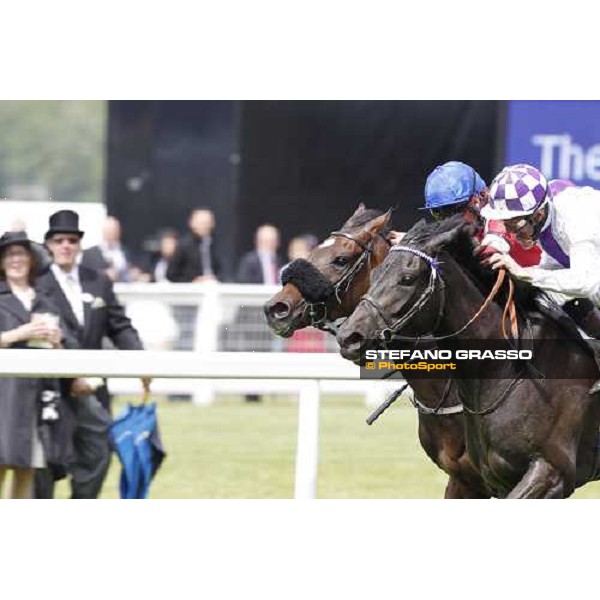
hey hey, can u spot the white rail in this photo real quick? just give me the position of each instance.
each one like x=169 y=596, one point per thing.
x=147 y=363
x=208 y=317
x=305 y=374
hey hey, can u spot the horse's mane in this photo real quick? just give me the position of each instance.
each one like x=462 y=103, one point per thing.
x=423 y=231
x=363 y=218
x=456 y=238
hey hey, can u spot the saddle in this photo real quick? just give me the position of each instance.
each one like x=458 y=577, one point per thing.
x=569 y=322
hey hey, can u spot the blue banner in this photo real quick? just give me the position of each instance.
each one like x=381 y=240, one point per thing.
x=560 y=137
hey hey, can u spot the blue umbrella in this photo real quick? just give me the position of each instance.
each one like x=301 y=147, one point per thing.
x=136 y=439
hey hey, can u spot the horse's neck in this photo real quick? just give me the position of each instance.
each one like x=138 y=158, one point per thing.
x=463 y=299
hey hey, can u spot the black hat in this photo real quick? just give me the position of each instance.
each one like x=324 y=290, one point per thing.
x=12 y=238
x=64 y=221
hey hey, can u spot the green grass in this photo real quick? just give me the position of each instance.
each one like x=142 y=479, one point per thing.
x=235 y=449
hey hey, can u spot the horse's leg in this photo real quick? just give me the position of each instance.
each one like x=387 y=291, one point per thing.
x=542 y=480
x=457 y=490
x=443 y=439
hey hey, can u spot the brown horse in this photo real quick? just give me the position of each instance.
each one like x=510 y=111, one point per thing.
x=328 y=287
x=530 y=435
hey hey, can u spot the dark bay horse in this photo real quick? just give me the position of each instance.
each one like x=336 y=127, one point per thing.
x=529 y=437
x=327 y=287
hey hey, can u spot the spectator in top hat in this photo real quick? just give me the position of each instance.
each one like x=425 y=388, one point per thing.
x=195 y=258
x=90 y=307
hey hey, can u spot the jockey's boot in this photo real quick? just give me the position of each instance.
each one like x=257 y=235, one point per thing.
x=587 y=316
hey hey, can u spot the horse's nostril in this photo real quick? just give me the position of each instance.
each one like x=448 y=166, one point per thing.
x=279 y=310
x=354 y=340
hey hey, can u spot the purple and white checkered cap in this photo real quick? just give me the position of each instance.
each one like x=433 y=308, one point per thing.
x=516 y=191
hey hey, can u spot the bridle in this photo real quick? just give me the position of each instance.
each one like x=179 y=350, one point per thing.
x=392 y=328
x=317 y=313
x=390 y=332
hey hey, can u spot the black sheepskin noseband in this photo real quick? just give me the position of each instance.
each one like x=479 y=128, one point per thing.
x=311 y=283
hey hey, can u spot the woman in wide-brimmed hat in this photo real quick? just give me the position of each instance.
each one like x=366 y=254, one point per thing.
x=29 y=408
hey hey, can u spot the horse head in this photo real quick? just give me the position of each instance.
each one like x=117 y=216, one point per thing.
x=329 y=284
x=406 y=295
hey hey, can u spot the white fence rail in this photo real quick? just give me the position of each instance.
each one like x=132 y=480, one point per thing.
x=305 y=374
x=210 y=317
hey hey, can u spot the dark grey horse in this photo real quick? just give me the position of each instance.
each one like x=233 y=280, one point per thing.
x=529 y=437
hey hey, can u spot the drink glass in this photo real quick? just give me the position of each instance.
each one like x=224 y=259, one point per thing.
x=51 y=320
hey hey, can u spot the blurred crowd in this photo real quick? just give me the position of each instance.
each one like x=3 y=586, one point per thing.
x=191 y=257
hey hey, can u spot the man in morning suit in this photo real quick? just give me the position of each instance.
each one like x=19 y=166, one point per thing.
x=89 y=306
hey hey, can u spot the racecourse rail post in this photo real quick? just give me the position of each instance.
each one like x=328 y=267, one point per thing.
x=307 y=448
x=206 y=335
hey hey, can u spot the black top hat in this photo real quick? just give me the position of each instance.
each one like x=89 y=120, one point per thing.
x=12 y=238
x=64 y=221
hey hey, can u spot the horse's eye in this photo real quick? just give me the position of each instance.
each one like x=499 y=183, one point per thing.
x=407 y=279
x=340 y=261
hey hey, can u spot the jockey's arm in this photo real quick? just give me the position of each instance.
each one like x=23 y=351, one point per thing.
x=581 y=280
x=497 y=240
x=495 y=237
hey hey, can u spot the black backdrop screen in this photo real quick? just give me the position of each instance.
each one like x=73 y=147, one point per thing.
x=301 y=165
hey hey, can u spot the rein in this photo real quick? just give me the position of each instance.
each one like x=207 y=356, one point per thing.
x=392 y=329
x=509 y=314
x=496 y=403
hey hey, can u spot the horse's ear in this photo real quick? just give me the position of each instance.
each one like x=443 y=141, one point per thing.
x=359 y=210
x=374 y=226
x=388 y=216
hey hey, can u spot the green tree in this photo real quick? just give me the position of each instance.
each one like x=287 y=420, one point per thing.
x=58 y=144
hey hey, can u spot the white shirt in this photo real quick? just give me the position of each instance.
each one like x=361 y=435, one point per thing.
x=269 y=267
x=26 y=297
x=575 y=222
x=160 y=270
x=71 y=286
x=205 y=257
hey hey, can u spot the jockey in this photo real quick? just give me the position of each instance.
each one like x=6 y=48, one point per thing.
x=568 y=229
x=455 y=187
